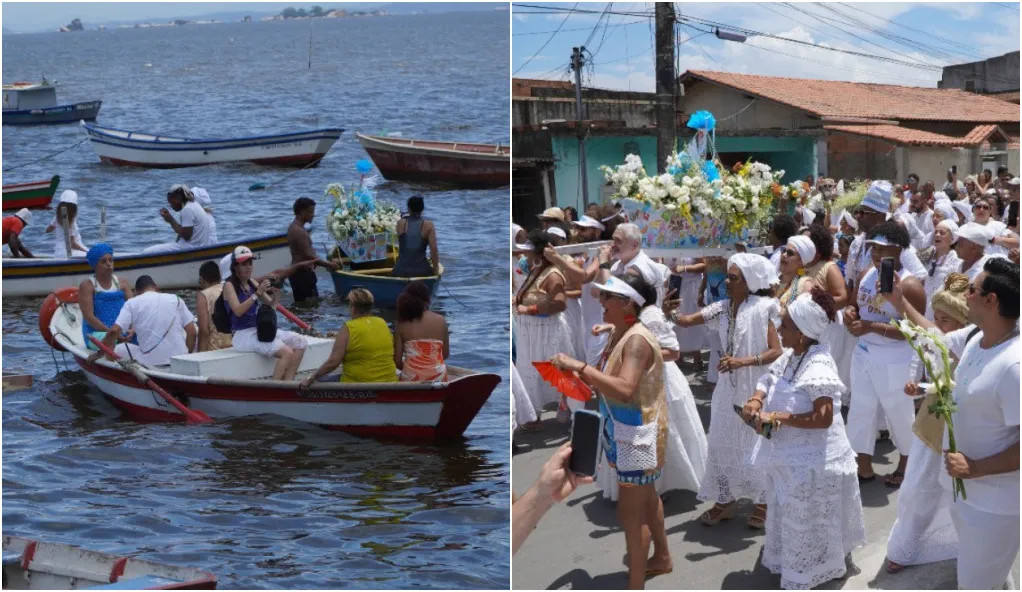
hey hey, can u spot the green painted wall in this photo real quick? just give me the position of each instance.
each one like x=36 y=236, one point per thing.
x=797 y=156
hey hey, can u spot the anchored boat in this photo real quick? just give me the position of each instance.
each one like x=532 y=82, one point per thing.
x=455 y=163
x=129 y=148
x=172 y=270
x=228 y=383
x=34 y=565
x=36 y=194
x=30 y=103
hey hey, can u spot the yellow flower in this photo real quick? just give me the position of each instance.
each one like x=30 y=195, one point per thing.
x=801 y=271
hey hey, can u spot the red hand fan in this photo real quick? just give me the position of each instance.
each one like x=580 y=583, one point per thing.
x=567 y=383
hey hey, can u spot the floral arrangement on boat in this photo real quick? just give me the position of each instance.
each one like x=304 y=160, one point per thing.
x=363 y=227
x=930 y=347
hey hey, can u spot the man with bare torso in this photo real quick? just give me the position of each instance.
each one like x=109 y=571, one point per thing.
x=299 y=241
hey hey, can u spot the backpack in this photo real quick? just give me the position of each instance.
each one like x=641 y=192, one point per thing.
x=221 y=318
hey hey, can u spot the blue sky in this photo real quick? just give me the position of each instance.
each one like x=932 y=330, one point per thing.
x=969 y=31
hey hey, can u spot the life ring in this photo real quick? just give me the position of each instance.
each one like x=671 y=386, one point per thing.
x=68 y=295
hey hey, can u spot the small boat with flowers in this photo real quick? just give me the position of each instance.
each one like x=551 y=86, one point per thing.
x=35 y=565
x=172 y=270
x=139 y=149
x=457 y=163
x=32 y=195
x=229 y=383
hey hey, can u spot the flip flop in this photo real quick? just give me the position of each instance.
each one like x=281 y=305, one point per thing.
x=867 y=479
x=652 y=573
x=899 y=475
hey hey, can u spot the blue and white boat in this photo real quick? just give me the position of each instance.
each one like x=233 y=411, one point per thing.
x=30 y=103
x=385 y=287
x=128 y=148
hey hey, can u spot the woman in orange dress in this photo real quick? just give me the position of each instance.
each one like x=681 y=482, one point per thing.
x=421 y=343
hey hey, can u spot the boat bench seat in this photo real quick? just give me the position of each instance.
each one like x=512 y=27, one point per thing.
x=228 y=363
x=139 y=583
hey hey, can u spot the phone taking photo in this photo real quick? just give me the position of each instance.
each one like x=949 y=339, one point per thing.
x=586 y=427
x=674 y=284
x=887 y=275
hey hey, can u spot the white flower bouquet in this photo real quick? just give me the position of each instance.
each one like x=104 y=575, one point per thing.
x=363 y=227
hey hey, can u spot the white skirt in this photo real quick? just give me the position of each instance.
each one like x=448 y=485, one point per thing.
x=923 y=531
x=715 y=347
x=246 y=340
x=573 y=316
x=728 y=476
x=522 y=411
x=686 y=442
x=842 y=346
x=690 y=339
x=537 y=340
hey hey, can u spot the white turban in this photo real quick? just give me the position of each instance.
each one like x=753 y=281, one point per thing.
x=808 y=316
x=807 y=216
x=940 y=196
x=805 y=248
x=758 y=271
x=951 y=227
x=69 y=196
x=202 y=196
x=964 y=209
x=850 y=219
x=945 y=207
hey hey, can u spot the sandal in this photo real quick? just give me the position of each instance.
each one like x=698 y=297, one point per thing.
x=867 y=479
x=894 y=479
x=757 y=522
x=532 y=426
x=894 y=567
x=652 y=572
x=723 y=513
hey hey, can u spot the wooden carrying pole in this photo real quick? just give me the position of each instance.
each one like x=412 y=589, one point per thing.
x=66 y=226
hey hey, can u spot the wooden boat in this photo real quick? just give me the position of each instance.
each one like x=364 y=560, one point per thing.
x=227 y=383
x=34 y=565
x=13 y=383
x=384 y=287
x=338 y=254
x=455 y=163
x=37 y=194
x=29 y=103
x=128 y=148
x=172 y=270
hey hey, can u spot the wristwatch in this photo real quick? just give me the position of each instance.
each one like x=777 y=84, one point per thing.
x=606 y=265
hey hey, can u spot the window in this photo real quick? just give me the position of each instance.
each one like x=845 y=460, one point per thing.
x=970 y=85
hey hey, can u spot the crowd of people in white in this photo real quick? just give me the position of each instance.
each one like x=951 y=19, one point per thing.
x=802 y=348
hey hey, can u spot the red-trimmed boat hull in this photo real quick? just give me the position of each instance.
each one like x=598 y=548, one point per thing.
x=301 y=160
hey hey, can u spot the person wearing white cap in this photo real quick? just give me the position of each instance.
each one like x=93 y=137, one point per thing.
x=1002 y=239
x=815 y=517
x=203 y=199
x=540 y=329
x=194 y=229
x=963 y=210
x=872 y=211
x=633 y=404
x=12 y=228
x=243 y=297
x=879 y=361
x=973 y=241
x=944 y=262
x=746 y=322
x=67 y=208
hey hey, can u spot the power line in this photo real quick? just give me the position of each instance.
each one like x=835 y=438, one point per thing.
x=973 y=52
x=572 y=30
x=549 y=39
x=1008 y=6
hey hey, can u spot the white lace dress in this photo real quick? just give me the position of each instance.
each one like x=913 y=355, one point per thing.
x=815 y=513
x=686 y=440
x=690 y=339
x=938 y=270
x=729 y=476
x=522 y=411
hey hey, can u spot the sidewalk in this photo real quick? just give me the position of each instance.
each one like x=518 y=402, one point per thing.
x=579 y=544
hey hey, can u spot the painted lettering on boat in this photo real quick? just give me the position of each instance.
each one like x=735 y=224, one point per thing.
x=281 y=145
x=355 y=395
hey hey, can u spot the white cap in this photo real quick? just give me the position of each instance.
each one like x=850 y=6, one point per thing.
x=878 y=197
x=617 y=286
x=557 y=232
x=588 y=222
x=202 y=196
x=976 y=233
x=69 y=196
x=25 y=215
x=242 y=253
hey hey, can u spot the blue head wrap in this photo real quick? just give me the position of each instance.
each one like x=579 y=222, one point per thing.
x=96 y=253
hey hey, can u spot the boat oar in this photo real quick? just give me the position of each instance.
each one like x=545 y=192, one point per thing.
x=294 y=318
x=191 y=415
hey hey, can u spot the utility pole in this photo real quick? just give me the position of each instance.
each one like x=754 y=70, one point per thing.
x=577 y=63
x=666 y=115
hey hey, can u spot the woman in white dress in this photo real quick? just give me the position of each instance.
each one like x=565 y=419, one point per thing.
x=67 y=208
x=944 y=262
x=691 y=340
x=746 y=322
x=686 y=440
x=540 y=328
x=809 y=467
x=923 y=531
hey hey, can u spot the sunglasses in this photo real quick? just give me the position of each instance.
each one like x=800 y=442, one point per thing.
x=609 y=295
x=981 y=207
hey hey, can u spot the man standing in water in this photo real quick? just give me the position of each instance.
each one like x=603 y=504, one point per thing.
x=414 y=234
x=299 y=241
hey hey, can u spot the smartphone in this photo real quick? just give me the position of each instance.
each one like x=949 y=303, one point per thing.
x=586 y=427
x=674 y=284
x=766 y=431
x=887 y=275
x=1012 y=213
x=954 y=169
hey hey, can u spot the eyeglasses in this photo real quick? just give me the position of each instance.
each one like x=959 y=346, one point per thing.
x=973 y=290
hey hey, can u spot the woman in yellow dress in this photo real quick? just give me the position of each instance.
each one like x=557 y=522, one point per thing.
x=364 y=345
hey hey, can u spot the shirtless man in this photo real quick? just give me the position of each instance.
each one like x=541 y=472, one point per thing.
x=303 y=281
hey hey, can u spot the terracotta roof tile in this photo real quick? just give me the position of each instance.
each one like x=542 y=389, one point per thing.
x=913 y=137
x=1010 y=96
x=831 y=98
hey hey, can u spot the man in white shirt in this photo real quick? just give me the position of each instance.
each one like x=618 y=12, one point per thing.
x=911 y=188
x=194 y=230
x=923 y=218
x=162 y=322
x=986 y=421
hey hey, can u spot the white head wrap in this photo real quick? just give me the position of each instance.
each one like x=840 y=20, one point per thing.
x=976 y=233
x=25 y=215
x=964 y=209
x=808 y=316
x=951 y=227
x=940 y=196
x=807 y=216
x=189 y=196
x=850 y=219
x=69 y=196
x=616 y=285
x=202 y=196
x=945 y=207
x=758 y=271
x=840 y=186
x=225 y=267
x=805 y=248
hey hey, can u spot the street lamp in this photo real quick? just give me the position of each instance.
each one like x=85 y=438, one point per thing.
x=728 y=36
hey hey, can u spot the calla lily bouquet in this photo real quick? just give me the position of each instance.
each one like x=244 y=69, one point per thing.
x=933 y=353
x=357 y=212
x=741 y=197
